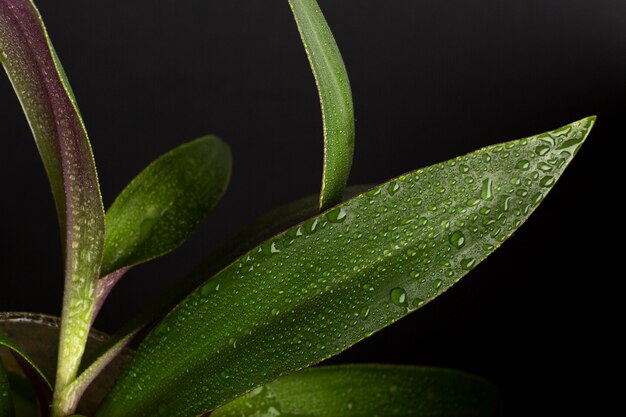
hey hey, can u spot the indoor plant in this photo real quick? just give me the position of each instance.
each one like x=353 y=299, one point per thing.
x=402 y=236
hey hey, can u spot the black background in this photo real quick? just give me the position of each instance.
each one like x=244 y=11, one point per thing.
x=431 y=80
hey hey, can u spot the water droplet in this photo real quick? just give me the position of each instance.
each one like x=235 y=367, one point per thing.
x=504 y=203
x=541 y=150
x=275 y=312
x=544 y=166
x=547 y=181
x=487 y=191
x=468 y=263
x=486 y=157
x=393 y=187
x=464 y=168
x=418 y=302
x=437 y=283
x=524 y=165
x=337 y=215
x=365 y=312
x=457 y=239
x=398 y=297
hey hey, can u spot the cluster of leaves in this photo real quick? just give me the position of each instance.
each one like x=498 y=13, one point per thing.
x=300 y=285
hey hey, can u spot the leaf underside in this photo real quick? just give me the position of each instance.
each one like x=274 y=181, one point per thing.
x=326 y=284
x=369 y=390
x=50 y=108
x=335 y=95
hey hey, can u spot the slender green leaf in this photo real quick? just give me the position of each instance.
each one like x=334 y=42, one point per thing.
x=50 y=107
x=333 y=87
x=322 y=286
x=6 y=402
x=24 y=398
x=163 y=205
x=258 y=231
x=38 y=380
x=369 y=390
x=25 y=360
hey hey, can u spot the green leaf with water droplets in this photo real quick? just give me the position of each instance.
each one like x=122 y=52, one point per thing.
x=255 y=233
x=33 y=67
x=6 y=402
x=369 y=390
x=323 y=285
x=165 y=203
x=335 y=95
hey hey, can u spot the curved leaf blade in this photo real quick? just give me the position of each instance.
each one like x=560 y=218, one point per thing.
x=50 y=108
x=40 y=384
x=8 y=343
x=322 y=286
x=259 y=230
x=335 y=95
x=6 y=402
x=164 y=204
x=369 y=390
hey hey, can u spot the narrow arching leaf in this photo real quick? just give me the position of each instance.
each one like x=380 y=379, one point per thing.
x=25 y=360
x=6 y=402
x=163 y=205
x=333 y=87
x=24 y=398
x=254 y=234
x=369 y=390
x=38 y=380
x=263 y=228
x=50 y=107
x=322 y=286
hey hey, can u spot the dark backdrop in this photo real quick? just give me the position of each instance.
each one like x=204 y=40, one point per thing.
x=431 y=79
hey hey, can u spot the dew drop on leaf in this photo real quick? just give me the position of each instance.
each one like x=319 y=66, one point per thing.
x=457 y=239
x=398 y=297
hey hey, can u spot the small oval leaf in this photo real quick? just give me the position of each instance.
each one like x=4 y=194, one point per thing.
x=164 y=204
x=328 y=283
x=369 y=390
x=335 y=95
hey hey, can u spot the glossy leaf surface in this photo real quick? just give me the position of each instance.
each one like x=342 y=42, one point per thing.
x=333 y=87
x=163 y=205
x=254 y=234
x=6 y=402
x=50 y=107
x=369 y=390
x=322 y=286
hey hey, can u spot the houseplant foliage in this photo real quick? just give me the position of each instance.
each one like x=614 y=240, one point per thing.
x=300 y=285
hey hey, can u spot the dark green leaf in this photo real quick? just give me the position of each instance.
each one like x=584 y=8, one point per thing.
x=369 y=390
x=40 y=384
x=258 y=231
x=322 y=286
x=25 y=360
x=6 y=402
x=24 y=397
x=163 y=205
x=333 y=87
x=50 y=107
